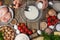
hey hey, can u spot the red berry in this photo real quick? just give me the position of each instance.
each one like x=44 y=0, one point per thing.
x=22 y=31
x=18 y=25
x=54 y=17
x=53 y=23
x=24 y=27
x=49 y=19
x=26 y=30
x=30 y=32
x=56 y=20
x=22 y=24
x=19 y=28
x=49 y=23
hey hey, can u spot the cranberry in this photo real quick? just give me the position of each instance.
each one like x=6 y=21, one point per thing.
x=22 y=24
x=22 y=31
x=49 y=19
x=19 y=28
x=30 y=32
x=49 y=23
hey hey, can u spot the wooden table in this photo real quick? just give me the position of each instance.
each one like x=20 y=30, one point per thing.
x=31 y=25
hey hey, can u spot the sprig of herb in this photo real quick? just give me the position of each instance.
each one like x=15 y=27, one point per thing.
x=1 y=36
x=50 y=37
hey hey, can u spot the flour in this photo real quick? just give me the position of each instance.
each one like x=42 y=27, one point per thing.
x=32 y=13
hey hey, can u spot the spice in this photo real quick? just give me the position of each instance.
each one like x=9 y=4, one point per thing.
x=34 y=35
x=48 y=30
x=13 y=22
x=43 y=25
x=52 y=12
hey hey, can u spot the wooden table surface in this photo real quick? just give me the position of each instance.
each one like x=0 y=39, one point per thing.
x=31 y=25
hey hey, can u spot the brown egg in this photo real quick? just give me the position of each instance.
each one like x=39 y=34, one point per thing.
x=52 y=12
x=8 y=37
x=12 y=33
x=3 y=30
x=5 y=38
x=12 y=37
x=5 y=27
x=9 y=32
x=9 y=29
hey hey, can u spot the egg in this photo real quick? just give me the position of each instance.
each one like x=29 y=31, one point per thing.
x=44 y=2
x=15 y=27
x=39 y=5
x=39 y=32
x=17 y=32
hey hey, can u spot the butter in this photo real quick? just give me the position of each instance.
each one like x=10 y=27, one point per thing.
x=39 y=38
x=56 y=33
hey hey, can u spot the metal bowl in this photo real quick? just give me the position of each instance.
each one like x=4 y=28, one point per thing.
x=3 y=23
x=30 y=4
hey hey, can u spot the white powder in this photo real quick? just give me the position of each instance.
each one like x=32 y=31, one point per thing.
x=32 y=13
x=22 y=37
